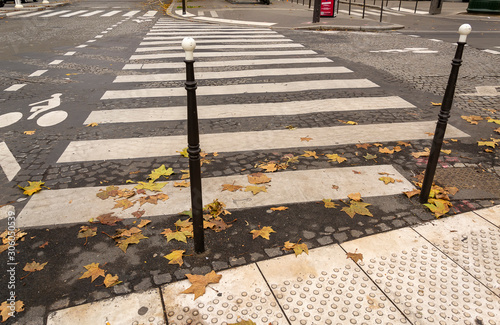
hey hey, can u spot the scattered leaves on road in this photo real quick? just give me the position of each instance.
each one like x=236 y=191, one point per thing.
x=175 y=257
x=472 y=119
x=387 y=180
x=32 y=188
x=355 y=256
x=159 y=172
x=255 y=189
x=7 y=312
x=335 y=158
x=264 y=232
x=110 y=281
x=231 y=187
x=356 y=207
x=329 y=204
x=200 y=282
x=310 y=154
x=93 y=272
x=296 y=247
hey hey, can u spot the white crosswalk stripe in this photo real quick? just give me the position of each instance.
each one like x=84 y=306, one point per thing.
x=85 y=13
x=304 y=71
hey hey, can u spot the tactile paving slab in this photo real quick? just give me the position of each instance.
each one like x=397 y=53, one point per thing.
x=241 y=294
x=134 y=309
x=491 y=214
x=423 y=282
x=471 y=242
x=326 y=288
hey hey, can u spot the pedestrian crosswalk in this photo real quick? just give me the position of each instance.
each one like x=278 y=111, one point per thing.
x=86 y=13
x=240 y=81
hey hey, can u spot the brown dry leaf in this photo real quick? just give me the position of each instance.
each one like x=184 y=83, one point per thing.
x=452 y=190
x=125 y=193
x=429 y=133
x=93 y=272
x=329 y=204
x=123 y=203
x=385 y=150
x=406 y=144
x=109 y=191
x=472 y=119
x=270 y=167
x=355 y=256
x=34 y=266
x=258 y=178
x=29 y=132
x=306 y=138
x=446 y=152
x=108 y=219
x=123 y=243
x=281 y=208
x=438 y=207
x=231 y=187
x=387 y=180
x=487 y=143
x=200 y=282
x=110 y=281
x=497 y=130
x=219 y=225
x=175 y=257
x=152 y=199
x=335 y=187
x=255 y=189
x=357 y=207
x=310 y=154
x=93 y=124
x=296 y=247
x=43 y=245
x=356 y=172
x=355 y=196
x=185 y=174
x=363 y=145
x=182 y=184
x=335 y=158
x=348 y=122
x=143 y=223
x=409 y=194
x=86 y=231
x=424 y=153
x=177 y=235
x=436 y=104
x=290 y=127
x=378 y=144
x=138 y=213
x=265 y=232
x=6 y=312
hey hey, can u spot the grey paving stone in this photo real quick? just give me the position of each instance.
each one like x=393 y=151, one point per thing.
x=162 y=278
x=340 y=237
x=273 y=252
x=256 y=256
x=143 y=285
x=325 y=240
x=237 y=261
x=308 y=234
x=383 y=227
x=219 y=265
x=356 y=233
x=122 y=288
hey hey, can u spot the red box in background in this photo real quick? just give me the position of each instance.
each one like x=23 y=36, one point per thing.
x=328 y=8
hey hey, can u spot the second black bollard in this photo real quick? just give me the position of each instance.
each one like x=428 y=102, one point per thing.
x=188 y=44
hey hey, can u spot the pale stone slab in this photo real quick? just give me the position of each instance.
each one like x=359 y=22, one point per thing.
x=241 y=294
x=491 y=214
x=56 y=207
x=219 y=47
x=134 y=308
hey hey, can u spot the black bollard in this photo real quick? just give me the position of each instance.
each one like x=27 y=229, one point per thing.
x=364 y=7
x=183 y=7
x=349 y=7
x=444 y=115
x=382 y=10
x=188 y=44
x=316 y=11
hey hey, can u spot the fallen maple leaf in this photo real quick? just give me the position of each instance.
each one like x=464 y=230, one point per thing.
x=143 y=223
x=43 y=245
x=378 y=144
x=306 y=138
x=356 y=172
x=29 y=132
x=185 y=174
x=200 y=282
x=93 y=272
x=355 y=256
x=387 y=180
x=370 y=156
x=32 y=188
x=109 y=191
x=497 y=130
x=355 y=196
x=175 y=257
x=425 y=153
x=123 y=203
x=108 y=219
x=329 y=204
x=216 y=208
x=86 y=231
x=357 y=207
x=270 y=167
x=265 y=232
x=110 y=281
x=363 y=145
x=429 y=133
x=310 y=154
x=255 y=189
x=138 y=213
x=154 y=187
x=487 y=143
x=126 y=193
x=472 y=119
x=231 y=187
x=93 y=124
x=290 y=127
x=182 y=184
x=436 y=104
x=6 y=309
x=184 y=152
x=406 y=144
x=134 y=239
x=437 y=207
x=177 y=235
x=409 y=194
x=348 y=122
x=159 y=172
x=335 y=157
x=281 y=208
x=296 y=247
x=258 y=178
x=385 y=150
x=34 y=266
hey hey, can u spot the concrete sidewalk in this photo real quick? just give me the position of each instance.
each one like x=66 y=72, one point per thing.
x=9 y=9
x=443 y=272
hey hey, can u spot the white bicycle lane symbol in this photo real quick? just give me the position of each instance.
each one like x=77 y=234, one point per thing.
x=47 y=119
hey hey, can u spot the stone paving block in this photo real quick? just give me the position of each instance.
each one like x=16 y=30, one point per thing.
x=490 y=214
x=326 y=288
x=135 y=308
x=423 y=282
x=241 y=292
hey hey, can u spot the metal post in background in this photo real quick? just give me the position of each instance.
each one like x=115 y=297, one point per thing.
x=364 y=7
x=188 y=44
x=444 y=115
x=382 y=9
x=309 y=4
x=317 y=11
x=399 y=9
x=349 y=7
x=416 y=5
x=183 y=7
x=386 y=3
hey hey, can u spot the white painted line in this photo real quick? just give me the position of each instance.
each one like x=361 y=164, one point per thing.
x=237 y=40
x=36 y=13
x=411 y=11
x=111 y=13
x=98 y=36
x=15 y=87
x=15 y=13
x=116 y=310
x=219 y=33
x=179 y=12
x=8 y=162
x=131 y=13
x=92 y=13
x=73 y=13
x=232 y=74
x=56 y=62
x=150 y=13
x=225 y=29
x=55 y=13
x=91 y=41
x=133 y=148
x=81 y=46
x=221 y=47
x=217 y=37
x=231 y=21
x=105 y=32
x=212 y=64
x=435 y=40
x=491 y=51
x=53 y=207
x=70 y=53
x=352 y=13
x=425 y=52
x=133 y=115
x=294 y=86
x=200 y=13
x=416 y=36
x=386 y=12
x=37 y=73
x=213 y=13
x=220 y=54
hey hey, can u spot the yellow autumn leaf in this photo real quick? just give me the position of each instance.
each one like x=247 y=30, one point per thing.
x=335 y=157
x=29 y=132
x=175 y=257
x=93 y=124
x=32 y=188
